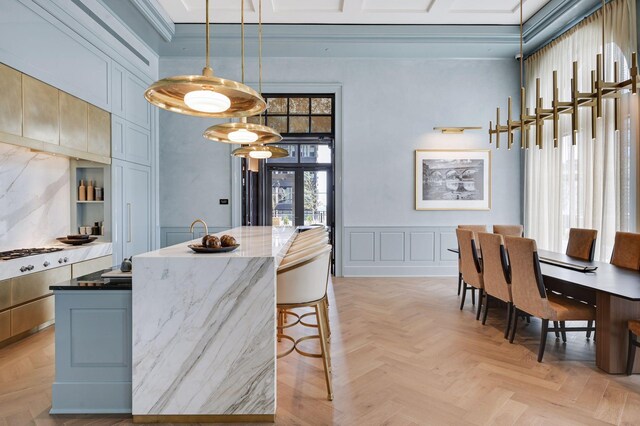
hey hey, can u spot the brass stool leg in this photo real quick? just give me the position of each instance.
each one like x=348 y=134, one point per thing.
x=326 y=357
x=326 y=317
x=280 y=324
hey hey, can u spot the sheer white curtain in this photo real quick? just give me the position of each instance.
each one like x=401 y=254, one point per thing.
x=587 y=185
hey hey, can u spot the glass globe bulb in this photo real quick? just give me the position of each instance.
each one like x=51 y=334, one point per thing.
x=207 y=101
x=262 y=155
x=243 y=136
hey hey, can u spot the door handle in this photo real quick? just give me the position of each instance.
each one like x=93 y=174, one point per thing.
x=128 y=222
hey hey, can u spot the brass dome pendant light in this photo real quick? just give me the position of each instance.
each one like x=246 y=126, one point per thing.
x=260 y=151
x=205 y=95
x=243 y=132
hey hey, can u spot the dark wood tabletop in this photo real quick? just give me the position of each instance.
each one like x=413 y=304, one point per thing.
x=607 y=278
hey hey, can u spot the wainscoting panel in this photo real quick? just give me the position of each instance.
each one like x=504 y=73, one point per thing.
x=362 y=246
x=399 y=251
x=391 y=246
x=422 y=246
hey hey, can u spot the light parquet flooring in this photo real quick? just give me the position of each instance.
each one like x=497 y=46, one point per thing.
x=403 y=354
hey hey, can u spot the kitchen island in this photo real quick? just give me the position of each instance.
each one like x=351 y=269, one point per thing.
x=204 y=347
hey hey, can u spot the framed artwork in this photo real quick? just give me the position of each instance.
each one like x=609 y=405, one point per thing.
x=453 y=179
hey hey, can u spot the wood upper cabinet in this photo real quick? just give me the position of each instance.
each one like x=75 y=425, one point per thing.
x=99 y=131
x=73 y=122
x=41 y=120
x=10 y=101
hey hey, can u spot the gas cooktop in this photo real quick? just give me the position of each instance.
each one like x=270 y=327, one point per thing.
x=15 y=254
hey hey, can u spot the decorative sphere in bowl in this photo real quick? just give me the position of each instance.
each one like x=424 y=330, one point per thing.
x=211 y=241
x=228 y=241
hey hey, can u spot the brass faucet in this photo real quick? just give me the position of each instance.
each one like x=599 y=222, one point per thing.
x=206 y=228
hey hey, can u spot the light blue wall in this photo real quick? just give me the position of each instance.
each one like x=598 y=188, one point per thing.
x=389 y=108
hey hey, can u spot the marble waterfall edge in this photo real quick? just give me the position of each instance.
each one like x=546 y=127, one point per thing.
x=204 y=336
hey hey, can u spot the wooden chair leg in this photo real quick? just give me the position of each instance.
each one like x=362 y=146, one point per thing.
x=464 y=295
x=473 y=296
x=326 y=356
x=543 y=338
x=514 y=324
x=589 y=325
x=480 y=297
x=486 y=308
x=556 y=325
x=563 y=326
x=459 y=283
x=509 y=314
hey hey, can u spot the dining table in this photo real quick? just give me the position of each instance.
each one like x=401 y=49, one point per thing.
x=614 y=291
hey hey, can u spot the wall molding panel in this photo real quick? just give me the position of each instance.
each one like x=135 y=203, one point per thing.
x=399 y=251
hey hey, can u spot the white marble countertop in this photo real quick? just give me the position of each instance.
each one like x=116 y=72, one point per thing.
x=72 y=254
x=255 y=241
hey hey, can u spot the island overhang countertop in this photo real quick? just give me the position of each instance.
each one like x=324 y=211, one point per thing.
x=204 y=338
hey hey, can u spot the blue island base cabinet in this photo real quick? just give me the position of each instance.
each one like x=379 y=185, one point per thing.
x=93 y=352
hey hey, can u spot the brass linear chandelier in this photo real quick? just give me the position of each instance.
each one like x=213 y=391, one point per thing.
x=242 y=132
x=599 y=91
x=260 y=151
x=205 y=95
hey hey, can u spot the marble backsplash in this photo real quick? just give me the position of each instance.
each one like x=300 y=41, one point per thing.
x=35 y=197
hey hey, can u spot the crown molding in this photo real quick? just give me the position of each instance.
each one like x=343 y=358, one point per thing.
x=159 y=19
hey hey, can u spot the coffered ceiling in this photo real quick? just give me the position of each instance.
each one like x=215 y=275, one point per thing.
x=457 y=12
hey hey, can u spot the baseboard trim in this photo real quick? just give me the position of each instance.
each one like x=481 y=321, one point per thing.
x=400 y=271
x=205 y=418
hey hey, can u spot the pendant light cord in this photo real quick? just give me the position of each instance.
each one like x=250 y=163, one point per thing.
x=604 y=70
x=260 y=54
x=207 y=47
x=242 y=36
x=521 y=50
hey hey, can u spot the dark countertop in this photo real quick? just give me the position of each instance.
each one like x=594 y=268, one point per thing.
x=93 y=281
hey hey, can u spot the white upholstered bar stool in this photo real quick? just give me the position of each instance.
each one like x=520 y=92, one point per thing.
x=303 y=245
x=311 y=232
x=303 y=283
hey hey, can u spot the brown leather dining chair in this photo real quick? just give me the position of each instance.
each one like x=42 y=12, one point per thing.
x=582 y=243
x=476 y=229
x=626 y=250
x=470 y=266
x=509 y=230
x=530 y=295
x=495 y=274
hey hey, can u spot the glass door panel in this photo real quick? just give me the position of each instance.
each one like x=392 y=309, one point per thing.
x=315 y=197
x=283 y=198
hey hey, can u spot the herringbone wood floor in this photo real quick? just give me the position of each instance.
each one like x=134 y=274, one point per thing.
x=403 y=354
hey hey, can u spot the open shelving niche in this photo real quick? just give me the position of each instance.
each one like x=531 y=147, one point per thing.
x=86 y=213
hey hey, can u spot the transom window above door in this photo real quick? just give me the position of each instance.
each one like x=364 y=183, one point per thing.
x=299 y=115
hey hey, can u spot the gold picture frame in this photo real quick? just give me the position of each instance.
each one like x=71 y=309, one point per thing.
x=449 y=179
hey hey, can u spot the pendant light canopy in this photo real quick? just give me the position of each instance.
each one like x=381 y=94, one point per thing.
x=260 y=152
x=205 y=95
x=243 y=132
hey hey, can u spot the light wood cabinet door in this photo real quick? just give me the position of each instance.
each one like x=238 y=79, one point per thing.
x=36 y=285
x=5 y=294
x=10 y=101
x=5 y=325
x=99 y=131
x=41 y=119
x=73 y=122
x=26 y=317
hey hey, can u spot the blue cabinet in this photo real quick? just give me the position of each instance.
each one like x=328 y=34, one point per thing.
x=93 y=352
x=131 y=205
x=130 y=142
